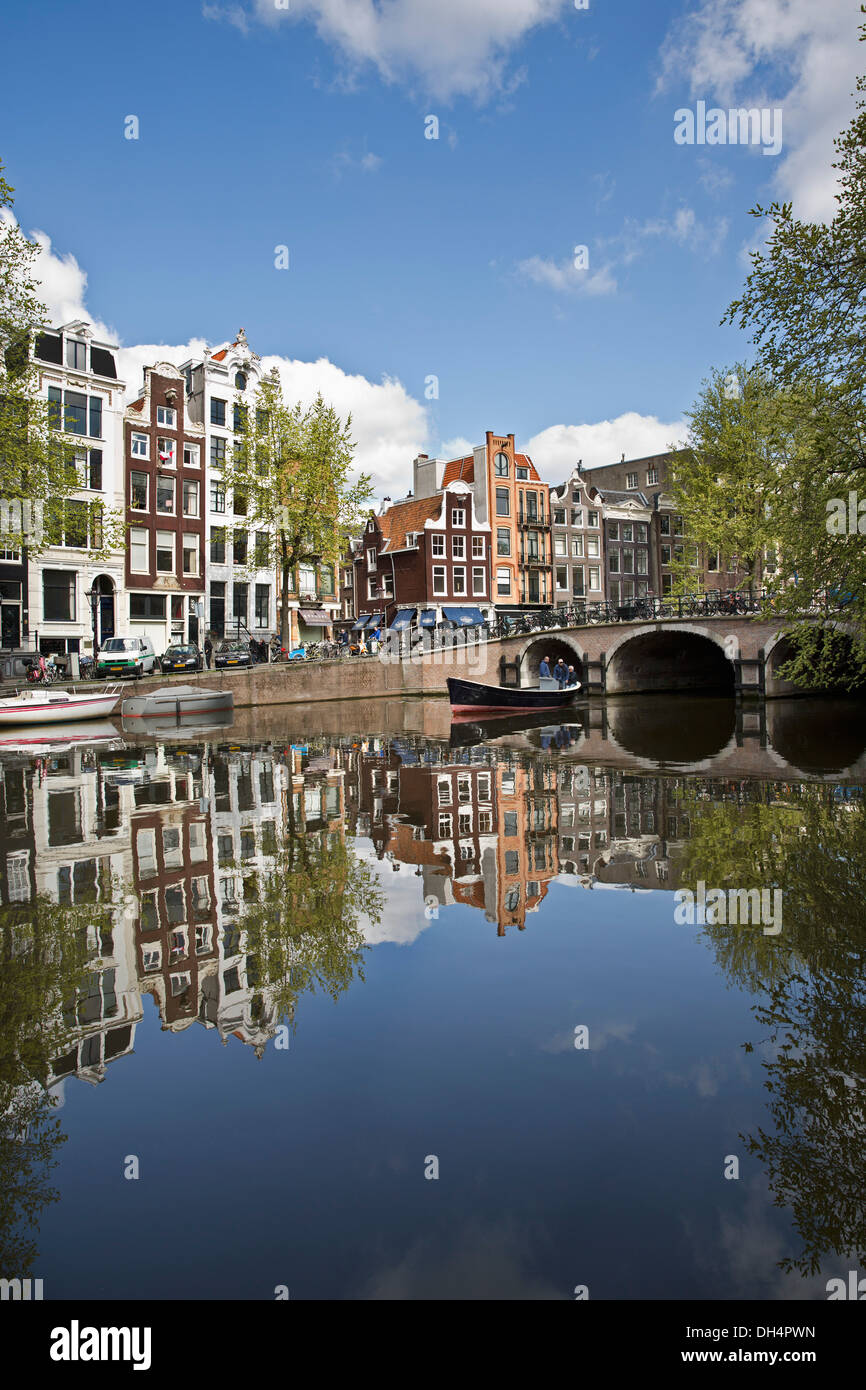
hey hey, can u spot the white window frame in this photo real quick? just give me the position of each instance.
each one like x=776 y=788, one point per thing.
x=503 y=572
x=458 y=581
x=166 y=446
x=161 y=545
x=458 y=516
x=437 y=548
x=458 y=547
x=440 y=579
x=140 y=439
x=189 y=541
x=192 y=456
x=478 y=547
x=133 y=543
x=476 y=591
x=166 y=415
x=191 y=482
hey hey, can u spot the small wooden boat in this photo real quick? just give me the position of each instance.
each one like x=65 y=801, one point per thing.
x=177 y=702
x=47 y=706
x=471 y=697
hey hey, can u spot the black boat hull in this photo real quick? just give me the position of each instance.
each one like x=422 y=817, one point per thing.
x=471 y=697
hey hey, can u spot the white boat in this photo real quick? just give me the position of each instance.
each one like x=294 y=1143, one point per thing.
x=176 y=702
x=47 y=706
x=51 y=738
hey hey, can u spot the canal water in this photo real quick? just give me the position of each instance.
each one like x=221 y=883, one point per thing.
x=363 y=1005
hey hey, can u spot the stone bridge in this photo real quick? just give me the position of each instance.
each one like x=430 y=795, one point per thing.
x=729 y=654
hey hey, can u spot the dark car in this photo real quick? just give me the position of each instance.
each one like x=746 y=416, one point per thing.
x=232 y=654
x=181 y=658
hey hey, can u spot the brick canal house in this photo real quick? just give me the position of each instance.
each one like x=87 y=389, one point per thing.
x=578 y=542
x=165 y=512
x=512 y=499
x=424 y=563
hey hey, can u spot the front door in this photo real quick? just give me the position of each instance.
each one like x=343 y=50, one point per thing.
x=106 y=617
x=10 y=625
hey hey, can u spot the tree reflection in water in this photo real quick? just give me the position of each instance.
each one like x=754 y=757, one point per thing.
x=812 y=844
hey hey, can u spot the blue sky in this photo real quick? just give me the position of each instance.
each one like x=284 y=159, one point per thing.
x=409 y=256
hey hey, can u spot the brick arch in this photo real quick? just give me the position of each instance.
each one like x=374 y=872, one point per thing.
x=553 y=643
x=670 y=672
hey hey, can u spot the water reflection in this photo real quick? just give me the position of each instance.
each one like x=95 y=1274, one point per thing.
x=228 y=881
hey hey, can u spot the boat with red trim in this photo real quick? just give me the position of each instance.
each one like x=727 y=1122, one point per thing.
x=47 y=706
x=471 y=697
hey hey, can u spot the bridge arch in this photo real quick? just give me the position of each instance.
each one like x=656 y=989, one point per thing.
x=662 y=658
x=554 y=645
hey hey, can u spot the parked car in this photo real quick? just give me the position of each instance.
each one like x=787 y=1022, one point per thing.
x=182 y=657
x=126 y=656
x=232 y=654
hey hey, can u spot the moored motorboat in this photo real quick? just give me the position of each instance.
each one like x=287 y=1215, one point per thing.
x=47 y=706
x=176 y=702
x=471 y=697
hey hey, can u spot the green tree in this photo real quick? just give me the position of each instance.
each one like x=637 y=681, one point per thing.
x=291 y=467
x=39 y=475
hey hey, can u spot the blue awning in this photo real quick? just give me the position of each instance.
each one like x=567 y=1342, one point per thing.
x=362 y=622
x=428 y=617
x=464 y=617
x=403 y=618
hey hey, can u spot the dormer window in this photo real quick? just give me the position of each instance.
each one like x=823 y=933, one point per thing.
x=523 y=474
x=76 y=354
x=240 y=381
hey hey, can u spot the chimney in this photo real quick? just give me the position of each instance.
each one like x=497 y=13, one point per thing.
x=622 y=460
x=386 y=502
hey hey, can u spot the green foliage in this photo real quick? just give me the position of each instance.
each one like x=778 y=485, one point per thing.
x=292 y=465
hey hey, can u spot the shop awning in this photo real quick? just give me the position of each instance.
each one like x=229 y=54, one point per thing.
x=362 y=622
x=464 y=617
x=403 y=618
x=428 y=617
x=314 y=617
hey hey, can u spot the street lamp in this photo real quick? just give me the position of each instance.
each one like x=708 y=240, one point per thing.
x=93 y=595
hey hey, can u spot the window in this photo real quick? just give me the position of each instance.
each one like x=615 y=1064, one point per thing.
x=217 y=453
x=641 y=533
x=714 y=561
x=562 y=576
x=139 y=562
x=503 y=580
x=628 y=561
x=652 y=475
x=241 y=546
x=240 y=598
x=263 y=605
x=218 y=607
x=522 y=472
x=167 y=416
x=594 y=577
x=577 y=516
x=93 y=474
x=559 y=516
x=666 y=554
x=240 y=503
x=478 y=580
x=165 y=552
x=58 y=596
x=667 y=583
x=74 y=412
x=503 y=540
x=592 y=519
x=164 y=494
x=627 y=531
x=577 y=545
x=217 y=411
x=631 y=480
x=372 y=587
x=458 y=579
x=613 y=530
x=371 y=558
x=444 y=827
x=262 y=552
x=76 y=355
x=664 y=525
x=478 y=547
x=678 y=526
x=641 y=556
x=388 y=585
x=307 y=579
x=138 y=491
x=592 y=549
x=438 y=543
x=559 y=545
x=613 y=561
x=458 y=547
x=439 y=579
x=531 y=506
x=503 y=502
x=217 y=497
x=577 y=588
x=190 y=554
x=190 y=498
x=500 y=465
x=458 y=516
x=140 y=446
x=191 y=456
x=95 y=417
x=532 y=545
x=218 y=545
x=694 y=557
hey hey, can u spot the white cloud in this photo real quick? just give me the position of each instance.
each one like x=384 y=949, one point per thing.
x=344 y=163
x=389 y=426
x=235 y=15
x=445 y=50
x=565 y=277
x=728 y=51
x=557 y=449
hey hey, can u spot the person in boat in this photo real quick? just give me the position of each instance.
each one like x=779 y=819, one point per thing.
x=560 y=673
x=571 y=676
x=544 y=668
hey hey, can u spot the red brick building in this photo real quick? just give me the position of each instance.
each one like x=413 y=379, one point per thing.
x=165 y=512
x=424 y=562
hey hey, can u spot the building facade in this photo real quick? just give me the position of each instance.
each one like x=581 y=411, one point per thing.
x=165 y=501
x=74 y=601
x=578 y=543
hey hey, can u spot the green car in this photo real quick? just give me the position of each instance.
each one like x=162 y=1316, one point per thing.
x=126 y=656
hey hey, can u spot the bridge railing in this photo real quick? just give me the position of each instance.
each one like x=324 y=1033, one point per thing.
x=713 y=603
